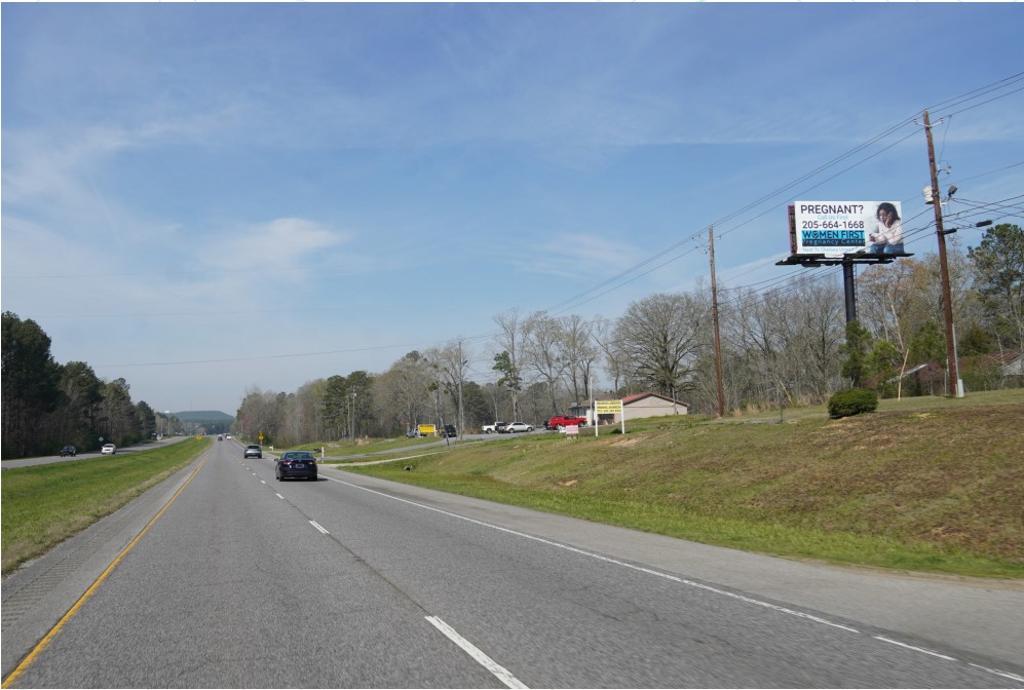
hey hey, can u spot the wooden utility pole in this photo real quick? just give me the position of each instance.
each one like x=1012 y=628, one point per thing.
x=952 y=387
x=714 y=319
x=462 y=414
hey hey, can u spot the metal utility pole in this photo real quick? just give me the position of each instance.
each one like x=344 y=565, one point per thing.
x=953 y=384
x=714 y=319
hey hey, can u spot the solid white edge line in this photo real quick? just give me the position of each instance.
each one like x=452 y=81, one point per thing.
x=499 y=671
x=606 y=559
x=916 y=649
x=1004 y=674
x=318 y=527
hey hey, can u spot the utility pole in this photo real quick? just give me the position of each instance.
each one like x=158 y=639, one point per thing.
x=462 y=414
x=953 y=383
x=714 y=319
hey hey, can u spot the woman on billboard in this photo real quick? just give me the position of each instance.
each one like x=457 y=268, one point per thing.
x=888 y=235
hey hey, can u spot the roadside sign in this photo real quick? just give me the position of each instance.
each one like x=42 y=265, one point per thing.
x=609 y=407
x=261 y=438
x=426 y=429
x=573 y=431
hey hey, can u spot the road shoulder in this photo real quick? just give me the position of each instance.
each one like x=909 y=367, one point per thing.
x=38 y=593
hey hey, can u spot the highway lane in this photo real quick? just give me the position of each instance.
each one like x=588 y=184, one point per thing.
x=247 y=581
x=121 y=450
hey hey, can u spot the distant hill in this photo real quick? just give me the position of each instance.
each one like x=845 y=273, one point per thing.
x=201 y=416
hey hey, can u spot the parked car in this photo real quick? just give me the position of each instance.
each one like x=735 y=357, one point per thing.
x=227 y=436
x=68 y=450
x=516 y=427
x=412 y=433
x=296 y=463
x=493 y=428
x=108 y=449
x=253 y=451
x=220 y=437
x=449 y=431
x=562 y=421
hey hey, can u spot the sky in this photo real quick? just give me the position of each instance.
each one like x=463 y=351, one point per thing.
x=192 y=194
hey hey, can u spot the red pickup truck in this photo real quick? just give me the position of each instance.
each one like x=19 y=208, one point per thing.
x=560 y=421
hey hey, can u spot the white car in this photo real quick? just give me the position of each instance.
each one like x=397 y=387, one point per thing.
x=517 y=426
x=108 y=449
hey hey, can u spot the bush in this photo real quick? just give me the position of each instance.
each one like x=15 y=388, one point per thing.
x=850 y=402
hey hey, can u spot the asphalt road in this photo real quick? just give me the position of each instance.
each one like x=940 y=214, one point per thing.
x=349 y=582
x=121 y=450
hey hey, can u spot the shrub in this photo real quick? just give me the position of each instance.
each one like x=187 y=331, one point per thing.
x=850 y=402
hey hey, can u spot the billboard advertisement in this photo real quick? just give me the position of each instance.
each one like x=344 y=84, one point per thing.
x=835 y=228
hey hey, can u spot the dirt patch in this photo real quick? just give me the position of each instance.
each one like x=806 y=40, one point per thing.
x=626 y=442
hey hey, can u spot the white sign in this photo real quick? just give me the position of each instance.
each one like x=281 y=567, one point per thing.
x=835 y=228
x=571 y=430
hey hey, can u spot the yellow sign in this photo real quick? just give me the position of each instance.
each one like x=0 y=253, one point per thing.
x=608 y=406
x=426 y=429
x=261 y=437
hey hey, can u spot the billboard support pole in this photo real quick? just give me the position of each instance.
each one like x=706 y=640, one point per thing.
x=850 y=290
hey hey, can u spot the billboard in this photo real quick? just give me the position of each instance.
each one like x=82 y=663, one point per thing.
x=835 y=228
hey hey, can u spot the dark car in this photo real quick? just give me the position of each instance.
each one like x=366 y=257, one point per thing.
x=296 y=463
x=449 y=431
x=253 y=452
x=68 y=450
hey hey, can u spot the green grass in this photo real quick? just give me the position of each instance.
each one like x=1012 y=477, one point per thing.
x=339 y=449
x=930 y=485
x=45 y=504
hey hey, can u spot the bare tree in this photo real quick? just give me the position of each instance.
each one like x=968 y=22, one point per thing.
x=543 y=348
x=660 y=334
x=580 y=353
x=509 y=341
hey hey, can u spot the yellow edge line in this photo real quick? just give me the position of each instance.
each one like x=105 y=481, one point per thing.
x=48 y=638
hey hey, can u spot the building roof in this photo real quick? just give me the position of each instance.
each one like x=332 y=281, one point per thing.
x=630 y=399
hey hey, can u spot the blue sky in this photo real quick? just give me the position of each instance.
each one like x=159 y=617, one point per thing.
x=210 y=182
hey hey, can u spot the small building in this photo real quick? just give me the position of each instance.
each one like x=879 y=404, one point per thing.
x=637 y=406
x=651 y=405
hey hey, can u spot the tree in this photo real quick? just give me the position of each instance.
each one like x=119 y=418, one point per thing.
x=999 y=276
x=509 y=380
x=543 y=352
x=660 y=335
x=509 y=340
x=30 y=383
x=858 y=342
x=580 y=354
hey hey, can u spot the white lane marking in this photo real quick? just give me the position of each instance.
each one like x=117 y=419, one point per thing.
x=606 y=559
x=1004 y=674
x=279 y=495
x=318 y=527
x=262 y=482
x=499 y=671
x=916 y=649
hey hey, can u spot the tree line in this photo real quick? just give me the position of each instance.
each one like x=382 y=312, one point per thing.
x=47 y=405
x=786 y=345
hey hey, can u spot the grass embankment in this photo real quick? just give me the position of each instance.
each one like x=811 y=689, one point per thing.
x=939 y=488
x=45 y=504
x=339 y=449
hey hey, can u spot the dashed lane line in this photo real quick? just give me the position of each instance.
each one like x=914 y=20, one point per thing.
x=499 y=671
x=318 y=527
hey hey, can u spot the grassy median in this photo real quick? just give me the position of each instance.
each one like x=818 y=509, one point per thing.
x=935 y=487
x=46 y=504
